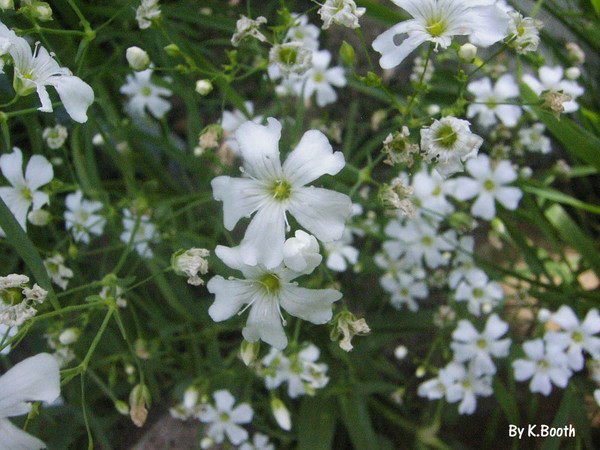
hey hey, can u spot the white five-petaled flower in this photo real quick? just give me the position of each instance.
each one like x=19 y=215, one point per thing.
x=488 y=185
x=56 y=136
x=478 y=348
x=144 y=94
x=57 y=271
x=438 y=21
x=551 y=79
x=524 y=32
x=266 y=291
x=304 y=32
x=33 y=71
x=24 y=193
x=576 y=336
x=144 y=234
x=259 y=442
x=147 y=13
x=224 y=418
x=300 y=371
x=467 y=386
x=479 y=293
x=271 y=189
x=429 y=196
x=450 y=142
x=320 y=78
x=490 y=102
x=405 y=289
x=545 y=364
x=340 y=253
x=533 y=139
x=80 y=217
x=342 y=12
x=34 y=379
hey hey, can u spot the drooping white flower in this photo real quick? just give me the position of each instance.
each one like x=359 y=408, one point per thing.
x=488 y=185
x=232 y=120
x=524 y=32
x=340 y=253
x=145 y=233
x=437 y=21
x=300 y=371
x=17 y=299
x=291 y=58
x=56 y=136
x=342 y=12
x=478 y=348
x=189 y=263
x=247 y=27
x=545 y=365
x=552 y=79
x=270 y=190
x=450 y=142
x=57 y=271
x=24 y=193
x=533 y=139
x=33 y=71
x=224 y=418
x=147 y=13
x=36 y=378
x=468 y=385
x=301 y=253
x=80 y=217
x=259 y=442
x=143 y=93
x=266 y=292
x=319 y=79
x=489 y=104
x=575 y=336
x=479 y=293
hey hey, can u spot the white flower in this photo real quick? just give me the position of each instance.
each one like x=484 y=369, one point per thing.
x=524 y=32
x=301 y=253
x=304 y=32
x=266 y=292
x=146 y=13
x=57 y=271
x=80 y=217
x=342 y=12
x=463 y=263
x=597 y=396
x=143 y=93
x=291 y=58
x=488 y=185
x=436 y=388
x=479 y=292
x=449 y=142
x=405 y=290
x=300 y=371
x=489 y=104
x=545 y=365
x=551 y=79
x=232 y=120
x=145 y=233
x=576 y=336
x=533 y=139
x=224 y=418
x=281 y=414
x=320 y=78
x=245 y=27
x=259 y=442
x=438 y=21
x=137 y=58
x=271 y=190
x=34 y=71
x=429 y=196
x=204 y=87
x=16 y=299
x=24 y=193
x=467 y=385
x=34 y=379
x=56 y=136
x=189 y=262
x=478 y=348
x=340 y=252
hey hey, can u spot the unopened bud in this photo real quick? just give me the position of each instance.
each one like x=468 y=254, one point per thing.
x=400 y=352
x=98 y=140
x=172 y=50
x=122 y=407
x=69 y=336
x=39 y=217
x=206 y=443
x=249 y=351
x=41 y=11
x=137 y=58
x=190 y=397
x=7 y=4
x=204 y=87
x=347 y=54
x=467 y=52
x=139 y=399
x=281 y=414
x=420 y=372
x=573 y=73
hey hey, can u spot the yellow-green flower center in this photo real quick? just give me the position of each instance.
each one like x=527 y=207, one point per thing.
x=281 y=190
x=446 y=136
x=481 y=343
x=270 y=282
x=427 y=240
x=436 y=27
x=288 y=56
x=318 y=77
x=224 y=417
x=577 y=337
x=26 y=193
x=11 y=296
x=489 y=185
x=146 y=91
x=478 y=293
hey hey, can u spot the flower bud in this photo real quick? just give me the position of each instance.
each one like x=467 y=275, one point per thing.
x=573 y=73
x=190 y=397
x=39 y=217
x=301 y=253
x=544 y=315
x=139 y=399
x=204 y=87
x=41 y=11
x=420 y=372
x=137 y=58
x=7 y=4
x=122 y=407
x=189 y=262
x=98 y=140
x=172 y=50
x=281 y=414
x=249 y=351
x=69 y=336
x=467 y=52
x=347 y=54
x=400 y=352
x=206 y=443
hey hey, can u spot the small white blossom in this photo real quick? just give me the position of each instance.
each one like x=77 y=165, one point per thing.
x=551 y=79
x=533 y=139
x=467 y=386
x=145 y=233
x=342 y=12
x=57 y=271
x=259 y=442
x=479 y=293
x=246 y=27
x=490 y=101
x=545 y=365
x=524 y=32
x=143 y=93
x=301 y=253
x=24 y=191
x=291 y=58
x=340 y=253
x=319 y=79
x=405 y=289
x=304 y=32
x=191 y=262
x=232 y=120
x=147 y=13
x=204 y=87
x=224 y=418
x=56 y=136
x=80 y=217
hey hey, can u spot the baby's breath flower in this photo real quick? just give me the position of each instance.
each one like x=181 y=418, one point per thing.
x=467 y=52
x=524 y=32
x=291 y=58
x=189 y=263
x=348 y=326
x=147 y=13
x=246 y=27
x=137 y=58
x=204 y=87
x=575 y=54
x=399 y=149
x=16 y=299
x=342 y=12
x=57 y=271
x=396 y=196
x=56 y=136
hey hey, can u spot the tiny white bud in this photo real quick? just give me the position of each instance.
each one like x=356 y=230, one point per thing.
x=69 y=336
x=525 y=172
x=400 y=352
x=7 y=4
x=544 y=315
x=190 y=397
x=203 y=87
x=137 y=58
x=98 y=140
x=129 y=369
x=39 y=217
x=573 y=73
x=281 y=414
x=122 y=407
x=432 y=110
x=206 y=443
x=420 y=372
x=467 y=52
x=486 y=308
x=43 y=11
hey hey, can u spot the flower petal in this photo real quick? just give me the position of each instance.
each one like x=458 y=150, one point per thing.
x=230 y=296
x=259 y=146
x=13 y=438
x=39 y=172
x=11 y=165
x=264 y=323
x=313 y=305
x=75 y=94
x=265 y=236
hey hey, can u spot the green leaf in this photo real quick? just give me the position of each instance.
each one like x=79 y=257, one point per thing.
x=383 y=13
x=560 y=197
x=577 y=140
x=568 y=404
x=507 y=402
x=17 y=237
x=358 y=423
x=316 y=424
x=596 y=5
